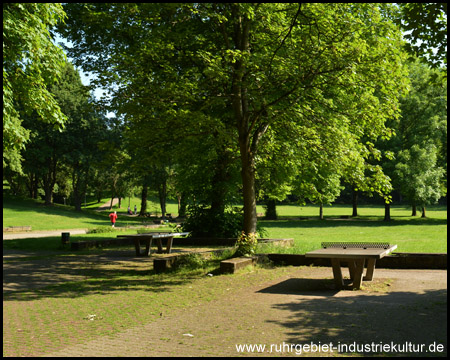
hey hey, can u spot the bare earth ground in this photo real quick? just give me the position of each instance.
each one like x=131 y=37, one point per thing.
x=400 y=308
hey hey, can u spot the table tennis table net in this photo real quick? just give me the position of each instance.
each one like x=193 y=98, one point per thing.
x=355 y=245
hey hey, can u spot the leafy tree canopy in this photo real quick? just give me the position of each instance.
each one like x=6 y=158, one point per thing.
x=426 y=27
x=31 y=62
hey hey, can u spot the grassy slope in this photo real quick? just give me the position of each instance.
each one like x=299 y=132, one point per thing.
x=26 y=212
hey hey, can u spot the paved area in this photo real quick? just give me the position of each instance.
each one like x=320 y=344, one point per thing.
x=283 y=312
x=293 y=309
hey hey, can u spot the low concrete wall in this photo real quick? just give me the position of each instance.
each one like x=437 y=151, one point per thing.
x=393 y=261
x=177 y=242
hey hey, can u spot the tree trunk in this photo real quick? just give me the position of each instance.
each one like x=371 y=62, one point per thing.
x=387 y=212
x=248 y=190
x=112 y=199
x=162 y=198
x=423 y=212
x=49 y=181
x=414 y=210
x=220 y=182
x=143 y=200
x=76 y=191
x=271 y=209
x=249 y=132
x=355 y=202
x=321 y=211
x=182 y=204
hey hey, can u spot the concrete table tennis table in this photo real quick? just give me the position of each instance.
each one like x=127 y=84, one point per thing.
x=355 y=255
x=148 y=237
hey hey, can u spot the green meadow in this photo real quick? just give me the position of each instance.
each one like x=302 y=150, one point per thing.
x=302 y=223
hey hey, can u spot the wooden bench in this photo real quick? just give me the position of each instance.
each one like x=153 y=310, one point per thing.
x=355 y=255
x=148 y=238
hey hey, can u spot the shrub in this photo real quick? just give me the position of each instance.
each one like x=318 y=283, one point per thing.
x=246 y=244
x=201 y=222
x=101 y=230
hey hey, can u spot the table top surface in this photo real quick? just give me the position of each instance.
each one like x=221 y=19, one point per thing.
x=156 y=235
x=351 y=253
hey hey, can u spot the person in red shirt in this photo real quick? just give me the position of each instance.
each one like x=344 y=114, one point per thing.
x=113 y=217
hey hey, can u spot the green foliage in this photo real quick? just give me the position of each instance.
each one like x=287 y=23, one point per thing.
x=201 y=222
x=190 y=262
x=426 y=29
x=418 y=175
x=294 y=71
x=419 y=164
x=101 y=230
x=246 y=244
x=31 y=62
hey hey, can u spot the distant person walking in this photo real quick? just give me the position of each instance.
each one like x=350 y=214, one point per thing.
x=135 y=209
x=113 y=217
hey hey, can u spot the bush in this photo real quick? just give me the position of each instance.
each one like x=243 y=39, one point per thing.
x=101 y=230
x=201 y=222
x=246 y=244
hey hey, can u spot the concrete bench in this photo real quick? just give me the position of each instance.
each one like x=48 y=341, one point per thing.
x=235 y=264
x=16 y=228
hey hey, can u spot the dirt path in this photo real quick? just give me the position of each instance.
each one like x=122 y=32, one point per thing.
x=107 y=205
x=43 y=233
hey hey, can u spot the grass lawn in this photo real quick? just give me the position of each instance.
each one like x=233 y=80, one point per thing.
x=410 y=234
x=28 y=212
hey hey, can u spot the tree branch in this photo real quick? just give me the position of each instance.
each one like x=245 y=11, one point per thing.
x=287 y=35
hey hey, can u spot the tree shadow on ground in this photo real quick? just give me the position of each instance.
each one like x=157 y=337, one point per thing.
x=66 y=276
x=326 y=316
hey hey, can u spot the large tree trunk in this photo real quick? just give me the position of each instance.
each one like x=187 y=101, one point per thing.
x=247 y=146
x=414 y=210
x=248 y=190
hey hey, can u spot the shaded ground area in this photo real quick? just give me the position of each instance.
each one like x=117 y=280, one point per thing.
x=30 y=270
x=400 y=308
x=298 y=310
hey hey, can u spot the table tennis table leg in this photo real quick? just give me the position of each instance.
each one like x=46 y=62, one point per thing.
x=159 y=243
x=169 y=244
x=337 y=273
x=359 y=269
x=137 y=246
x=148 y=246
x=370 y=269
x=351 y=268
